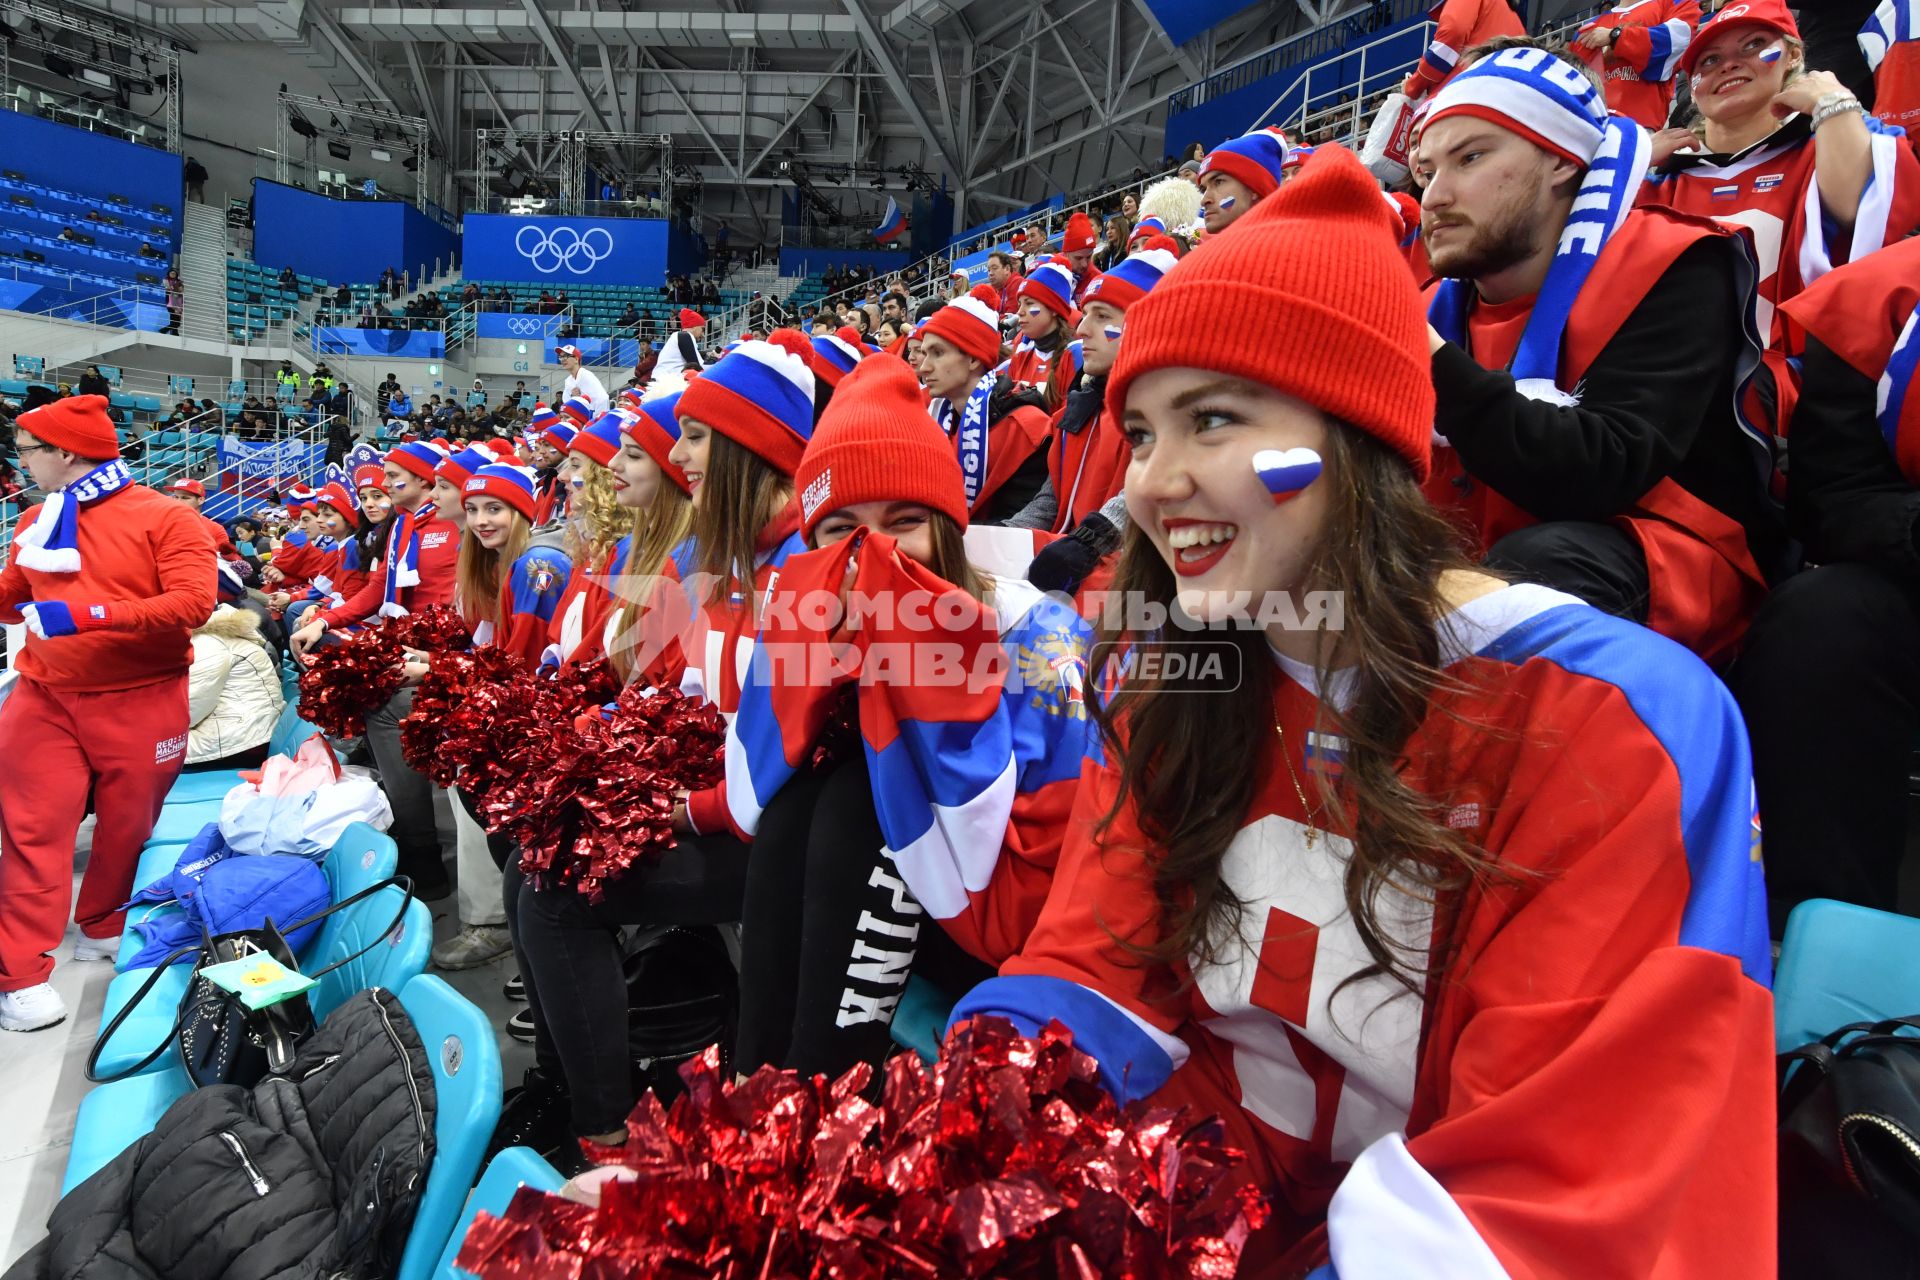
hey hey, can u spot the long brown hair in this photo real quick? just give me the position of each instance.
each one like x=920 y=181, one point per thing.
x=744 y=494
x=1190 y=763
x=478 y=572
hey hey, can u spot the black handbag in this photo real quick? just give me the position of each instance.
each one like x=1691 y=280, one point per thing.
x=221 y=1040
x=682 y=995
x=1849 y=1153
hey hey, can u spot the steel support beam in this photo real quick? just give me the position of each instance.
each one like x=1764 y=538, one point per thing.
x=687 y=107
x=1188 y=63
x=896 y=81
x=563 y=57
x=793 y=117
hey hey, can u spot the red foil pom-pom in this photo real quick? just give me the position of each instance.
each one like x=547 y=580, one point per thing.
x=1007 y=1159
x=344 y=682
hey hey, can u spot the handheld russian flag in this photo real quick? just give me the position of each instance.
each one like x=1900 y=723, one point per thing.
x=1286 y=472
x=892 y=225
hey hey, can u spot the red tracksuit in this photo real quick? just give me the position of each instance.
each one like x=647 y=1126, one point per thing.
x=102 y=711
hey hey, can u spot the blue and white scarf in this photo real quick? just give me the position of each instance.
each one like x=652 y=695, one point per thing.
x=1540 y=97
x=970 y=433
x=1605 y=199
x=403 y=559
x=51 y=544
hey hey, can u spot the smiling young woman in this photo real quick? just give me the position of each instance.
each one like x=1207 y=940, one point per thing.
x=1318 y=899
x=1774 y=141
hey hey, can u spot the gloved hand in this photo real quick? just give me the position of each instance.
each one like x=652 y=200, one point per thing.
x=1063 y=564
x=51 y=619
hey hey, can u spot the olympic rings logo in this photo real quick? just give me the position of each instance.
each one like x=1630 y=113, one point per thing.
x=523 y=326
x=563 y=248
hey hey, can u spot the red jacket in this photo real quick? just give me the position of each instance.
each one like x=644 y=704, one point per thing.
x=1459 y=25
x=150 y=560
x=439 y=554
x=1703 y=581
x=1088 y=466
x=1639 y=69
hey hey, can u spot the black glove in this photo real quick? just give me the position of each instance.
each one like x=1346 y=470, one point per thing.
x=1063 y=564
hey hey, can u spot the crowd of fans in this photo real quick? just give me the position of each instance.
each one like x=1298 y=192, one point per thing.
x=1474 y=484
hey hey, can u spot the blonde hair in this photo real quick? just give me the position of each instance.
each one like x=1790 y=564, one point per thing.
x=479 y=571
x=597 y=520
x=658 y=528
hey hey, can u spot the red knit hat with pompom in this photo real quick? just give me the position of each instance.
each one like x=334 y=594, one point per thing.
x=876 y=443
x=970 y=322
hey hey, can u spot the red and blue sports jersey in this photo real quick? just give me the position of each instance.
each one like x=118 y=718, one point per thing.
x=974 y=759
x=1459 y=25
x=529 y=594
x=1503 y=1117
x=1029 y=366
x=1770 y=189
x=1638 y=71
x=340 y=578
x=580 y=621
x=1890 y=42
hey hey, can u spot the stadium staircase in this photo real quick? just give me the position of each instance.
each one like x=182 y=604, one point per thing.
x=203 y=272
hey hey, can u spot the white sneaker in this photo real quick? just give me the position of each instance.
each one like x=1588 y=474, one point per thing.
x=96 y=948
x=31 y=1008
x=473 y=946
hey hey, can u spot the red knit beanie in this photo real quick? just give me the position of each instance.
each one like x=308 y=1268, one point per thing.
x=876 y=443
x=970 y=322
x=78 y=424
x=1079 y=234
x=690 y=319
x=1322 y=305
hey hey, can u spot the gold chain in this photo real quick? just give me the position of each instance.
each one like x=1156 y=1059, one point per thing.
x=1298 y=790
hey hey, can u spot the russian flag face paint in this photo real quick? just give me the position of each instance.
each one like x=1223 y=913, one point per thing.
x=1771 y=54
x=1112 y=332
x=1227 y=202
x=1286 y=472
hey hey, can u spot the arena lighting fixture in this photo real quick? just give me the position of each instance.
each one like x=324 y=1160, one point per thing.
x=339 y=150
x=380 y=153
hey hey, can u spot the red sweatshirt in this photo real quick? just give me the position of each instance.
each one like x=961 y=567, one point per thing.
x=439 y=553
x=150 y=560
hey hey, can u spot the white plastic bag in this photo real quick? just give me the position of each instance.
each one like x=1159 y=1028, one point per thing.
x=297 y=806
x=1390 y=140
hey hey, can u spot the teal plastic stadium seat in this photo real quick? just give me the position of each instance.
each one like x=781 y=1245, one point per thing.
x=182 y=822
x=115 y=1116
x=1840 y=963
x=920 y=1020
x=157 y=859
x=392 y=963
x=466 y=1082
x=506 y=1173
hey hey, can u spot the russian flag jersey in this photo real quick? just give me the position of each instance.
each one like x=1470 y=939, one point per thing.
x=974 y=733
x=1476 y=1118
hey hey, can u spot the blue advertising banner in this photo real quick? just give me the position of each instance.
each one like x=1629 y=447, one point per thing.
x=401 y=344
x=516 y=325
x=252 y=471
x=975 y=265
x=564 y=251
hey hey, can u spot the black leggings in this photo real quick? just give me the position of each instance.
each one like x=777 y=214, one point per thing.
x=830 y=931
x=1832 y=699
x=570 y=959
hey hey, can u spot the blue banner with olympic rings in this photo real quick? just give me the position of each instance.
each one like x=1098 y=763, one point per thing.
x=565 y=252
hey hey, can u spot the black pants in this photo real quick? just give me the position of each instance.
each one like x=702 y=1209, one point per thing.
x=830 y=931
x=570 y=960
x=1601 y=564
x=1831 y=693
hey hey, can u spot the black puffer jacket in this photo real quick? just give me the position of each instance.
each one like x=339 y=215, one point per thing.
x=311 y=1175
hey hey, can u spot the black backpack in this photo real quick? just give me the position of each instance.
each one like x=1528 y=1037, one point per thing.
x=1849 y=1153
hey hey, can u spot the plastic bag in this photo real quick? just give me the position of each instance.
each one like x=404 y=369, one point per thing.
x=297 y=806
x=313 y=765
x=1390 y=140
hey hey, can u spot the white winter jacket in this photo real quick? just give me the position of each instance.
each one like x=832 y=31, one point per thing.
x=233 y=687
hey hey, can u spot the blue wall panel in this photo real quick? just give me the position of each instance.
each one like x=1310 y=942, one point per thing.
x=350 y=241
x=1185 y=19
x=92 y=164
x=565 y=252
x=403 y=344
x=798 y=262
